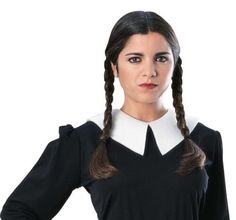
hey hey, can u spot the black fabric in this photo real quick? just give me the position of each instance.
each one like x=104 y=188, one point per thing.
x=145 y=188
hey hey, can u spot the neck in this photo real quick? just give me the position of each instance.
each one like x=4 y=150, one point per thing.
x=144 y=111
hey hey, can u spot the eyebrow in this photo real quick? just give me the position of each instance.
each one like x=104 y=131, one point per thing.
x=141 y=54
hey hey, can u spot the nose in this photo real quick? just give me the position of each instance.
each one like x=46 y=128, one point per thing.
x=150 y=69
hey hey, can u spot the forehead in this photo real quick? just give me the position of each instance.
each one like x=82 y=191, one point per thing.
x=152 y=41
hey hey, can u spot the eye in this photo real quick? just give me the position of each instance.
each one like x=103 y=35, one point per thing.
x=162 y=59
x=133 y=59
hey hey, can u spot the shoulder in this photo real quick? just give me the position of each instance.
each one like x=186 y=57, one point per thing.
x=93 y=122
x=82 y=135
x=210 y=141
x=207 y=133
x=86 y=132
x=97 y=119
x=204 y=131
x=207 y=137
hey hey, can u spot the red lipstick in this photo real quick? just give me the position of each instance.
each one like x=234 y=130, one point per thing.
x=148 y=85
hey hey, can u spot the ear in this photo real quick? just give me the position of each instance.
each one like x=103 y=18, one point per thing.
x=114 y=69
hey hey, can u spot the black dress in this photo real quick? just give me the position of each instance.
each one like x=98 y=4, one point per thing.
x=146 y=186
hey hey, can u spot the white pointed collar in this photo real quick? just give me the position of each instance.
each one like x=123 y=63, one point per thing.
x=131 y=132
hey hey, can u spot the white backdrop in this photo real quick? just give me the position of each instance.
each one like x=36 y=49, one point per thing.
x=51 y=74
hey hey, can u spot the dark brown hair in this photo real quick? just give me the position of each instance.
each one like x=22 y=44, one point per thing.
x=143 y=22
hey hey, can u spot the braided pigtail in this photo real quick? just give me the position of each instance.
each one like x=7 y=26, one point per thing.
x=100 y=167
x=193 y=155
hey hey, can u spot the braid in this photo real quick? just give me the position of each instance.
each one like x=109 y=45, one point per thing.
x=193 y=155
x=177 y=98
x=100 y=167
x=109 y=89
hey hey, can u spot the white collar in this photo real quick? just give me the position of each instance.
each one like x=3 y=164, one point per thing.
x=131 y=132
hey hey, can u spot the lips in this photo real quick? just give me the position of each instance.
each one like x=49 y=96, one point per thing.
x=148 y=84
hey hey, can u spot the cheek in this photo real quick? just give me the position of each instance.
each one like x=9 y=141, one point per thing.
x=168 y=74
x=127 y=78
x=165 y=76
x=127 y=81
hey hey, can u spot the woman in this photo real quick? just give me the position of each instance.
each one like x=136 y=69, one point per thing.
x=142 y=161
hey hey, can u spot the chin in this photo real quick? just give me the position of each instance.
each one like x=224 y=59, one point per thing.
x=147 y=100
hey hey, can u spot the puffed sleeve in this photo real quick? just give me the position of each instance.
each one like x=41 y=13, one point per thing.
x=215 y=204
x=48 y=185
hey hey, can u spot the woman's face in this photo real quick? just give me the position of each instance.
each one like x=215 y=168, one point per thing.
x=154 y=63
